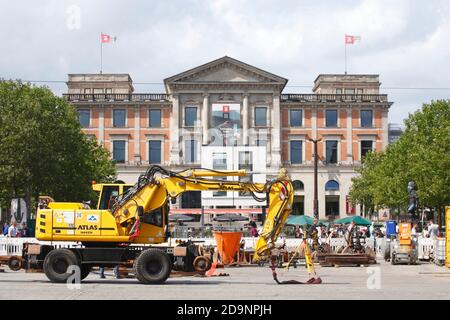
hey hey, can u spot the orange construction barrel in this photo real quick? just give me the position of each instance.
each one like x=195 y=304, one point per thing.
x=227 y=244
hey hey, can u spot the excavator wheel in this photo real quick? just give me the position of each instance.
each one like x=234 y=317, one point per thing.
x=56 y=264
x=202 y=264
x=15 y=263
x=153 y=266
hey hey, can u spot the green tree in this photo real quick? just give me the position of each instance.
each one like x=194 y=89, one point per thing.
x=421 y=154
x=43 y=150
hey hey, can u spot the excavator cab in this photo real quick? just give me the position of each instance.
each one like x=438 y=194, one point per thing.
x=109 y=192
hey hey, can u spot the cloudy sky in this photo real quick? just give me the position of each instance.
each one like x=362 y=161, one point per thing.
x=406 y=42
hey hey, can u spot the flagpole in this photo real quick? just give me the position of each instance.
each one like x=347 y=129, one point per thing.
x=345 y=54
x=101 y=53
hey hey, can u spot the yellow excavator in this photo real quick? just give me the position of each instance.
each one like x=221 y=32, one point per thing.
x=134 y=227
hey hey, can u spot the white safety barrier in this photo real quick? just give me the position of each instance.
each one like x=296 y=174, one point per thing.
x=424 y=248
x=14 y=246
x=376 y=244
x=439 y=251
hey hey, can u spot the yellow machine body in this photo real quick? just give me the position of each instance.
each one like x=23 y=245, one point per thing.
x=142 y=214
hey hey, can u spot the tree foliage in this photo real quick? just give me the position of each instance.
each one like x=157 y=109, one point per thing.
x=43 y=150
x=421 y=154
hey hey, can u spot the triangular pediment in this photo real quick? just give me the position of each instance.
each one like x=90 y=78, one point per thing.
x=225 y=70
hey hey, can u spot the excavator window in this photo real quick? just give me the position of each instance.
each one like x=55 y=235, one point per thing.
x=154 y=217
x=109 y=194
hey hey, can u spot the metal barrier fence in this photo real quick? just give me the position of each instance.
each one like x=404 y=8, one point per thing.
x=13 y=246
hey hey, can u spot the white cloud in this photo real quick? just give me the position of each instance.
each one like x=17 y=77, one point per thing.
x=406 y=42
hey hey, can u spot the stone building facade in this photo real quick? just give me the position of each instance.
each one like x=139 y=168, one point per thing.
x=227 y=114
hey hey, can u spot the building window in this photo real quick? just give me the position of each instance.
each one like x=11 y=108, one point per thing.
x=366 y=118
x=261 y=143
x=84 y=116
x=190 y=116
x=349 y=91
x=360 y=91
x=119 y=116
x=191 y=200
x=366 y=146
x=332 y=206
x=226 y=115
x=332 y=185
x=331 y=155
x=296 y=151
x=246 y=163
x=220 y=163
x=87 y=91
x=298 y=185
x=298 y=207
x=331 y=118
x=260 y=116
x=154 y=151
x=295 y=117
x=338 y=91
x=154 y=118
x=190 y=150
x=119 y=151
x=108 y=90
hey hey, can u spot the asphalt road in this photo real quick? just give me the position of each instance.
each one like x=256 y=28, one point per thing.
x=381 y=281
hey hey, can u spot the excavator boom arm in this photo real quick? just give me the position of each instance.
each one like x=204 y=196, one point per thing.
x=153 y=190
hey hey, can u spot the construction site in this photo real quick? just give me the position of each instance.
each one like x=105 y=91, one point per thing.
x=127 y=242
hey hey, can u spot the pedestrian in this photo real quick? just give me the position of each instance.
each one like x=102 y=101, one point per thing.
x=253 y=228
x=414 y=229
x=102 y=272
x=116 y=272
x=432 y=229
x=12 y=230
x=5 y=228
x=372 y=230
x=24 y=232
x=314 y=229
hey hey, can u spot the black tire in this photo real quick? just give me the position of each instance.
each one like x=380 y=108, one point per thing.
x=201 y=264
x=85 y=270
x=153 y=266
x=56 y=264
x=15 y=263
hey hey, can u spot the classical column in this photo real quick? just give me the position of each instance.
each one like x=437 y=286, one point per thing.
x=276 y=131
x=101 y=124
x=245 y=111
x=349 y=136
x=314 y=122
x=137 y=136
x=385 y=128
x=205 y=119
x=175 y=131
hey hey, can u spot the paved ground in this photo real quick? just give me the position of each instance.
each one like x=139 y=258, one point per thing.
x=425 y=281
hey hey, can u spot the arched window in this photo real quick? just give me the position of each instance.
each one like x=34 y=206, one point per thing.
x=332 y=185
x=298 y=185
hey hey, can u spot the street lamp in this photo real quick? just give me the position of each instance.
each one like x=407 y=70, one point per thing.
x=316 y=200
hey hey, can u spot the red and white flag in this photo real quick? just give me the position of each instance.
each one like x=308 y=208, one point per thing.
x=351 y=39
x=106 y=38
